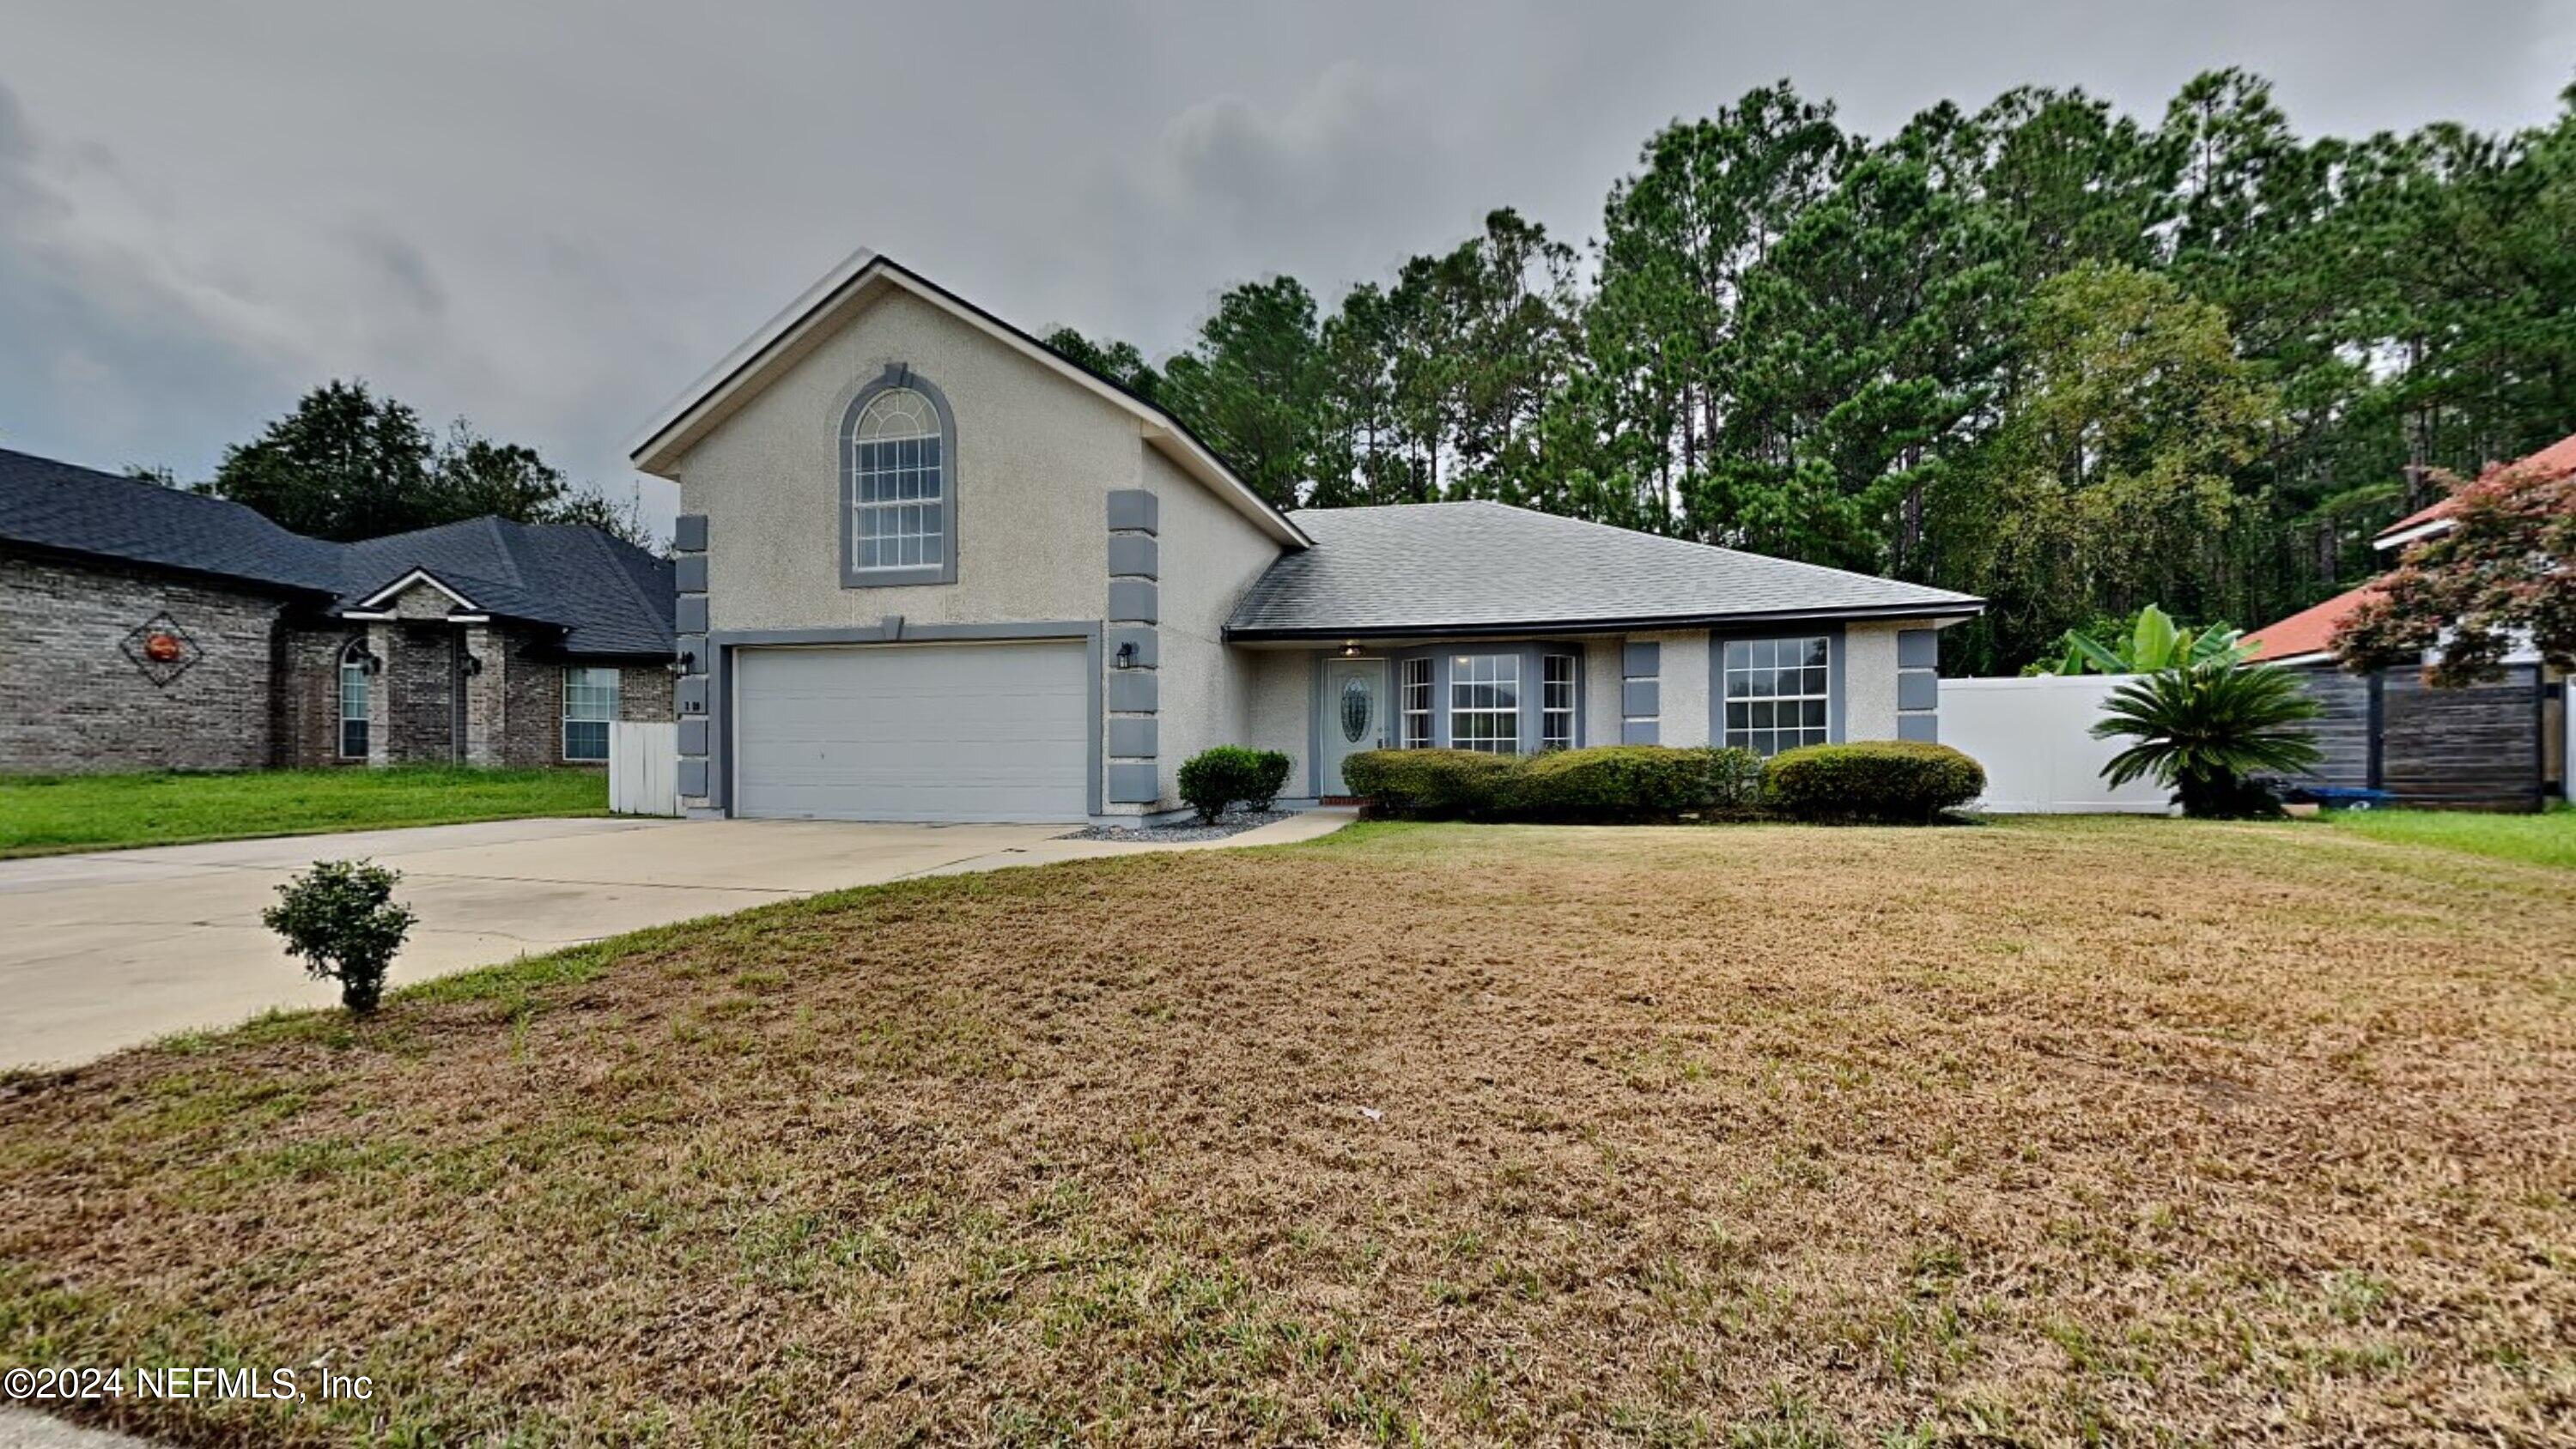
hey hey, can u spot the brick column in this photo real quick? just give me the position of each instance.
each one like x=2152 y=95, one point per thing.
x=486 y=695
x=380 y=696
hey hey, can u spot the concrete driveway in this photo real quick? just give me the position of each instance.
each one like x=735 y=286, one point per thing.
x=108 y=950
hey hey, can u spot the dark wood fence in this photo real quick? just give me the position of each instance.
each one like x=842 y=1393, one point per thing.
x=2482 y=747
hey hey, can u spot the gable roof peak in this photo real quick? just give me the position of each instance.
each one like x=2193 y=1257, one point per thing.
x=762 y=357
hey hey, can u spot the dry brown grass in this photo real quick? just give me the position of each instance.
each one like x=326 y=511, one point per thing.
x=2138 y=1131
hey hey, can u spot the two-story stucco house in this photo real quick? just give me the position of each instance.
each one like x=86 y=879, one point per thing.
x=929 y=570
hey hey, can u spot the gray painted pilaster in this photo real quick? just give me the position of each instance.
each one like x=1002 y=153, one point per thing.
x=1918 y=685
x=1135 y=568
x=1641 y=667
x=689 y=613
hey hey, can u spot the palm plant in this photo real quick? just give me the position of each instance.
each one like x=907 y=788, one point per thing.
x=2203 y=729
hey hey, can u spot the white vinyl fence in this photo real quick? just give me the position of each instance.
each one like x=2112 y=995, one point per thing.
x=643 y=769
x=2035 y=738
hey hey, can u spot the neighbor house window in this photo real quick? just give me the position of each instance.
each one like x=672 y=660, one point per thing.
x=1485 y=702
x=1414 y=705
x=590 y=702
x=1779 y=693
x=1556 y=702
x=353 y=701
x=898 y=495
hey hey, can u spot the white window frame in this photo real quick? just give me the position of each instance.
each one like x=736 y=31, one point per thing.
x=1492 y=672
x=1556 y=701
x=898 y=484
x=353 y=660
x=1413 y=703
x=574 y=679
x=1752 y=679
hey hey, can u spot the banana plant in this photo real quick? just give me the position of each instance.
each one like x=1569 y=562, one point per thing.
x=2154 y=643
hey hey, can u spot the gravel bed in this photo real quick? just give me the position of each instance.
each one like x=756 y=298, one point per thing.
x=1235 y=823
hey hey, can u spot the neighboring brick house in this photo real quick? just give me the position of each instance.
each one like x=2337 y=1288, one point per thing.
x=146 y=628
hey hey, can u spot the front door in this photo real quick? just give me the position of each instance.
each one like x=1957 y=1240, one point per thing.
x=1354 y=716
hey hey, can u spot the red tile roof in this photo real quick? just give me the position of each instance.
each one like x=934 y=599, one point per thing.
x=2556 y=459
x=2308 y=631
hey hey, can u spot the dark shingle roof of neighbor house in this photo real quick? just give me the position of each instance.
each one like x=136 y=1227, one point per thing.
x=613 y=597
x=64 y=506
x=610 y=597
x=1442 y=568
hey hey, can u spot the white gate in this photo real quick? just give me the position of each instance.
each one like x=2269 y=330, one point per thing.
x=644 y=768
x=2034 y=736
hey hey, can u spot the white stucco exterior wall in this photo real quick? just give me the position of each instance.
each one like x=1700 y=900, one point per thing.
x=1683 y=695
x=1036 y=459
x=1601 y=678
x=1279 y=700
x=1209 y=555
x=1869 y=681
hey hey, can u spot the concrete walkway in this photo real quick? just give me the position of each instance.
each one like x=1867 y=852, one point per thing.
x=104 y=951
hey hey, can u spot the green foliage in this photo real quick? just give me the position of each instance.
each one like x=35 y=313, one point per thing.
x=1227 y=775
x=1880 y=782
x=347 y=464
x=1428 y=784
x=1607 y=784
x=340 y=916
x=1612 y=785
x=2042 y=351
x=2110 y=481
x=2504 y=574
x=2142 y=644
x=2203 y=730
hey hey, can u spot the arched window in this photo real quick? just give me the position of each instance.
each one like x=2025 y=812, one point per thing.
x=898 y=446
x=353 y=700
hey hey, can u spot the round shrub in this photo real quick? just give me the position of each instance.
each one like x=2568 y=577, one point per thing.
x=1882 y=782
x=1215 y=778
x=1429 y=784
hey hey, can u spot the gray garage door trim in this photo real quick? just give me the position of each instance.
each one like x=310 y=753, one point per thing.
x=721 y=645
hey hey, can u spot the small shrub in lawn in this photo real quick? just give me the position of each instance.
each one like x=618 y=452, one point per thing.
x=1880 y=782
x=341 y=918
x=1227 y=775
x=1734 y=782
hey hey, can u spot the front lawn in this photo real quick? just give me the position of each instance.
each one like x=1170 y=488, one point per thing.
x=2039 y=1132
x=2548 y=838
x=48 y=816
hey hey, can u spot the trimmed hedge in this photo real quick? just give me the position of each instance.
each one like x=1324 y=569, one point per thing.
x=1879 y=782
x=1428 y=784
x=1230 y=774
x=1611 y=784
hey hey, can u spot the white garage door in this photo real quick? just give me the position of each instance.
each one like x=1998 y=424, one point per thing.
x=913 y=732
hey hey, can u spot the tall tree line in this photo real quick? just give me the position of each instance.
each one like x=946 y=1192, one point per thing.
x=2041 y=351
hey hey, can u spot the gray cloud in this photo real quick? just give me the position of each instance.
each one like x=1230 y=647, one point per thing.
x=549 y=218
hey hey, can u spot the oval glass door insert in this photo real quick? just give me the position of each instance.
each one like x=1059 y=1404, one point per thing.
x=1356 y=708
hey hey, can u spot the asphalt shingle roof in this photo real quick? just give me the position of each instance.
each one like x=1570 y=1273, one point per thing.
x=61 y=505
x=609 y=597
x=1424 y=567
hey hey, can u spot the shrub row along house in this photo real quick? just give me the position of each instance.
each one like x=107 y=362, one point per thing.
x=149 y=628
x=930 y=570
x=2502 y=744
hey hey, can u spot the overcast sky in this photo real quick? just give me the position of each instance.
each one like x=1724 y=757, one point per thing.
x=551 y=216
